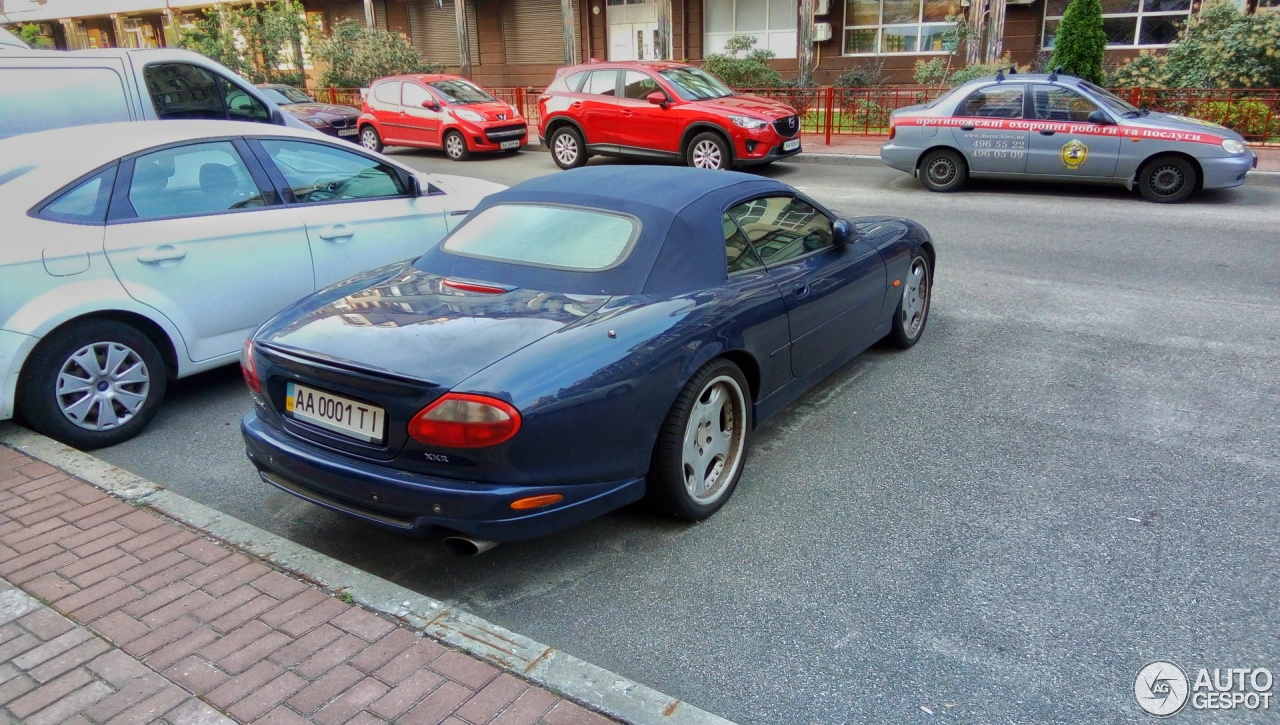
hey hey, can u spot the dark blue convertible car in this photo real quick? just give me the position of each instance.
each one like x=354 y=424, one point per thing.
x=581 y=341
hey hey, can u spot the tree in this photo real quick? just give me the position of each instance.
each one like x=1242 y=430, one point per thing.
x=1221 y=47
x=32 y=35
x=356 y=55
x=256 y=42
x=752 y=70
x=1080 y=41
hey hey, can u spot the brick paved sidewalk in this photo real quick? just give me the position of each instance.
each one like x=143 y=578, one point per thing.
x=123 y=616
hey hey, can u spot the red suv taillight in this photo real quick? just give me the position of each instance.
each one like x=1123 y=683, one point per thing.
x=462 y=420
x=248 y=369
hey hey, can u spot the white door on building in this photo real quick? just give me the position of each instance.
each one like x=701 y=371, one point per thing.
x=634 y=41
x=633 y=30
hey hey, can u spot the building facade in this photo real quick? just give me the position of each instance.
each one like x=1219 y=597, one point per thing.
x=522 y=42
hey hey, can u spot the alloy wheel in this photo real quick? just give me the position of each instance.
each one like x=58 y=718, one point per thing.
x=706 y=155
x=915 y=298
x=369 y=139
x=566 y=148
x=714 y=440
x=102 y=386
x=454 y=146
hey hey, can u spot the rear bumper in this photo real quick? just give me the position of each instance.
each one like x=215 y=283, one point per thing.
x=899 y=157
x=1224 y=173
x=415 y=504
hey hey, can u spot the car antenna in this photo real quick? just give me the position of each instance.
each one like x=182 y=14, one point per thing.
x=1053 y=74
x=999 y=74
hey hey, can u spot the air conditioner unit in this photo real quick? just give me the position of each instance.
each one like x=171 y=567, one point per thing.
x=821 y=7
x=821 y=32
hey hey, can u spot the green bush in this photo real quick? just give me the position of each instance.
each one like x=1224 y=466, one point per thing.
x=1145 y=71
x=261 y=43
x=751 y=70
x=863 y=112
x=355 y=56
x=1079 y=43
x=867 y=76
x=32 y=35
x=1220 y=48
x=1247 y=116
x=978 y=70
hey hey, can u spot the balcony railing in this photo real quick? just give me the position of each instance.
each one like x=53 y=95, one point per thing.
x=829 y=112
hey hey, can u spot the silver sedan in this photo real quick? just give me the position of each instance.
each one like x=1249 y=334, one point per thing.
x=1054 y=127
x=138 y=252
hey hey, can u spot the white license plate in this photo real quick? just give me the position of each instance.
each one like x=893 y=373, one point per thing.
x=348 y=131
x=509 y=145
x=336 y=413
x=791 y=145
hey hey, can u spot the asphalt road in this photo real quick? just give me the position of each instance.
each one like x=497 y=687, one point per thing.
x=1073 y=474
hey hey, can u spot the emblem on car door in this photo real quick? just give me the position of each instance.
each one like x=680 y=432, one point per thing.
x=1074 y=154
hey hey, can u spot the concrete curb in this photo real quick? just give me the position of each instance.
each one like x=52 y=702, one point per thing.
x=553 y=669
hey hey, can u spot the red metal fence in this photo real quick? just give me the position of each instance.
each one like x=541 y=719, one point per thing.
x=1254 y=113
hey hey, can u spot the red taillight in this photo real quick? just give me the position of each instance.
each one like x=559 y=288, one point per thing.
x=248 y=369
x=462 y=420
x=893 y=128
x=482 y=289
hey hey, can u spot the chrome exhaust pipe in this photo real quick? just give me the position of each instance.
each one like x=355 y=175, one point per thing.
x=464 y=546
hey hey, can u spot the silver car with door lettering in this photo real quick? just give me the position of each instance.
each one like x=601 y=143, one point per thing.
x=1058 y=127
x=145 y=251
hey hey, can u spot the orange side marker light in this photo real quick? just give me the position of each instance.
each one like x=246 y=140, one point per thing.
x=897 y=282
x=536 y=502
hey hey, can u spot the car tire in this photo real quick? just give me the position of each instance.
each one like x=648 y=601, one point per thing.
x=121 y=376
x=567 y=148
x=943 y=170
x=913 y=304
x=1167 y=179
x=708 y=150
x=455 y=146
x=370 y=139
x=702 y=445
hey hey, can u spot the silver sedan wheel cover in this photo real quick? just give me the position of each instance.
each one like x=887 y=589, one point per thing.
x=915 y=298
x=566 y=148
x=1167 y=180
x=706 y=155
x=941 y=171
x=454 y=146
x=102 y=386
x=369 y=139
x=714 y=440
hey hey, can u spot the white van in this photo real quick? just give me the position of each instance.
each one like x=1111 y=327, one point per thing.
x=46 y=89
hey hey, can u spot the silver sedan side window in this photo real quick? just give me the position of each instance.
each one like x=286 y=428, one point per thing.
x=993 y=102
x=193 y=180
x=1053 y=103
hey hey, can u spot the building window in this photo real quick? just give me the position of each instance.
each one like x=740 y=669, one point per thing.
x=1128 y=23
x=880 y=27
x=773 y=23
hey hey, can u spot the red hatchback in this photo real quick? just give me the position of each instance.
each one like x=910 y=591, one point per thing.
x=661 y=110
x=439 y=111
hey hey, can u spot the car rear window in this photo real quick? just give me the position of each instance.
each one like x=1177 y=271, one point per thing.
x=542 y=235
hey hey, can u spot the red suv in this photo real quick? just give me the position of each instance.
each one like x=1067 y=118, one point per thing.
x=661 y=110
x=439 y=111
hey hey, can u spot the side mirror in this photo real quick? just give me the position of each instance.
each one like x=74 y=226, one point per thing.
x=843 y=233
x=1100 y=116
x=431 y=105
x=657 y=98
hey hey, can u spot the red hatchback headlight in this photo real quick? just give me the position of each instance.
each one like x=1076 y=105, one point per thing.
x=462 y=420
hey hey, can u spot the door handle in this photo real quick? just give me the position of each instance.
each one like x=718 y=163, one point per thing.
x=1047 y=132
x=967 y=127
x=627 y=114
x=800 y=288
x=576 y=104
x=336 y=232
x=162 y=253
